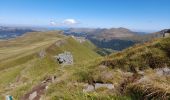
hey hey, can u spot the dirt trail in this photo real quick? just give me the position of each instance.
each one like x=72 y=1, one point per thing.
x=39 y=90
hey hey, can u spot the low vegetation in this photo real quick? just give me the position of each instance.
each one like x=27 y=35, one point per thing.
x=133 y=72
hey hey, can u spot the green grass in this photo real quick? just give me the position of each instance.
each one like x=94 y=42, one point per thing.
x=149 y=55
x=80 y=52
x=145 y=57
x=23 y=68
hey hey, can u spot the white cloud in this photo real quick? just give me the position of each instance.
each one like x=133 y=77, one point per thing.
x=66 y=22
x=70 y=22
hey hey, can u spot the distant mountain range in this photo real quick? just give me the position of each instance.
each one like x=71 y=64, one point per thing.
x=113 y=38
x=101 y=33
x=12 y=32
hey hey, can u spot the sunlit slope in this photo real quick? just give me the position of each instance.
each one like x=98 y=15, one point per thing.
x=22 y=48
x=153 y=54
x=22 y=66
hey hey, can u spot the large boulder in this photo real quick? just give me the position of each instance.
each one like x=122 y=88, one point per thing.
x=65 y=58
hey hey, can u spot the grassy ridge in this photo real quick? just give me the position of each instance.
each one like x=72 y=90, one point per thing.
x=22 y=66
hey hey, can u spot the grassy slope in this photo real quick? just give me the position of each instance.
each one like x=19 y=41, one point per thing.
x=145 y=58
x=154 y=54
x=30 y=70
x=121 y=71
x=21 y=66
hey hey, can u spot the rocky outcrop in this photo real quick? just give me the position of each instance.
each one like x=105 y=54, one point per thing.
x=65 y=58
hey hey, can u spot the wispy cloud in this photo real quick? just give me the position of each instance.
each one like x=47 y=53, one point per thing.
x=70 y=22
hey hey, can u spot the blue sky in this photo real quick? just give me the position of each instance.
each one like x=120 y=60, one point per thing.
x=143 y=15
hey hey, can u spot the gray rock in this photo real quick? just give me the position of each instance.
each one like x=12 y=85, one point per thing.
x=65 y=58
x=108 y=86
x=33 y=95
x=89 y=88
x=42 y=53
x=163 y=71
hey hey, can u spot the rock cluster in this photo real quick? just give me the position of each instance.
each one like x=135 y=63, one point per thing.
x=90 y=88
x=65 y=58
x=163 y=71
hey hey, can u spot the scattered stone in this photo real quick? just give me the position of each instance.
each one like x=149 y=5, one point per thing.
x=42 y=53
x=163 y=71
x=65 y=58
x=36 y=92
x=33 y=95
x=108 y=86
x=90 y=88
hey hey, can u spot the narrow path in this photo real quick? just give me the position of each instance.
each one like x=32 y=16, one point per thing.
x=39 y=90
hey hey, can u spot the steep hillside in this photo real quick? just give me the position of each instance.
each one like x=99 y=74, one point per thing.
x=29 y=59
x=137 y=73
x=150 y=65
x=153 y=54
